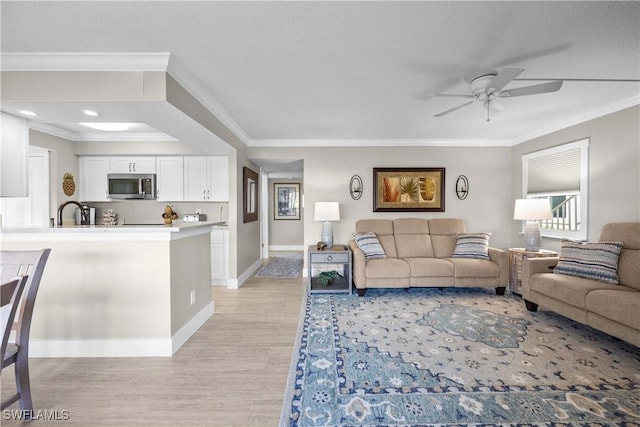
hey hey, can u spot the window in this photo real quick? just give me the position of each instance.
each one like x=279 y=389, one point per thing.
x=560 y=174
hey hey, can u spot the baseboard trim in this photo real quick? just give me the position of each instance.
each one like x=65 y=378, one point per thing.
x=191 y=327
x=123 y=347
x=236 y=283
x=286 y=247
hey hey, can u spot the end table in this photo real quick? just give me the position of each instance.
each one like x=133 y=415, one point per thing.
x=516 y=255
x=338 y=255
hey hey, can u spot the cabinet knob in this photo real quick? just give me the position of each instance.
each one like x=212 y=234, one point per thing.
x=330 y=257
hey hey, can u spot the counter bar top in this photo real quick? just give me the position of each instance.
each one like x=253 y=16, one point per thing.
x=176 y=227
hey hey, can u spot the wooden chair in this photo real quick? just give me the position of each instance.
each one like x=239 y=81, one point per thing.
x=30 y=265
x=10 y=293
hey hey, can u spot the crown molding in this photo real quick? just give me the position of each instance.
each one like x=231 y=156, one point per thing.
x=96 y=61
x=581 y=118
x=87 y=61
x=192 y=85
x=380 y=143
x=98 y=136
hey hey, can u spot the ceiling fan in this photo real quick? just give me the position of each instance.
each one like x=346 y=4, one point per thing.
x=488 y=89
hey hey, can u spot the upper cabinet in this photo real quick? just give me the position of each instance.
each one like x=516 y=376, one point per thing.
x=178 y=178
x=170 y=178
x=125 y=164
x=93 y=179
x=206 y=178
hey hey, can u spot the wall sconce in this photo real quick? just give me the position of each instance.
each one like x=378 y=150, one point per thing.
x=355 y=187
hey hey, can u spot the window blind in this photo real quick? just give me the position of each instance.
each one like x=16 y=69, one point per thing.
x=558 y=172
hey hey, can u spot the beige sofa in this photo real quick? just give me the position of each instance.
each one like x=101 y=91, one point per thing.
x=419 y=255
x=611 y=308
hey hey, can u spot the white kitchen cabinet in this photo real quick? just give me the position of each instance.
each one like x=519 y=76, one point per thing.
x=127 y=164
x=170 y=178
x=206 y=178
x=93 y=178
x=219 y=257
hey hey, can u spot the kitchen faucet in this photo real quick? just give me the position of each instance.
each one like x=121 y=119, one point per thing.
x=83 y=213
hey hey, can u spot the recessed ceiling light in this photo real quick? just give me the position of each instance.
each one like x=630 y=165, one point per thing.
x=109 y=127
x=89 y=113
x=28 y=113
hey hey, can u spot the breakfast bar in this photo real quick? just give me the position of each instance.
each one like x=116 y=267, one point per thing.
x=110 y=291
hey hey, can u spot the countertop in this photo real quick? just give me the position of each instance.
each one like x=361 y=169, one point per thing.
x=176 y=227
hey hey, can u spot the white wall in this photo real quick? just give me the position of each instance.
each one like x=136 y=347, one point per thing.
x=614 y=169
x=328 y=171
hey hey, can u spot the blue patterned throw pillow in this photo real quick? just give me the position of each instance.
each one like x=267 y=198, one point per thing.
x=472 y=245
x=370 y=245
x=591 y=260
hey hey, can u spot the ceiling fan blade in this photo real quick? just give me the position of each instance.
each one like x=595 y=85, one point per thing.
x=503 y=78
x=451 y=110
x=452 y=95
x=531 y=90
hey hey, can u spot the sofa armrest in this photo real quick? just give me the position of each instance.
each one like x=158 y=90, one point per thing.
x=531 y=266
x=358 y=266
x=501 y=257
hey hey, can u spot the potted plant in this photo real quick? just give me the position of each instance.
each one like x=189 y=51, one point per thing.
x=326 y=277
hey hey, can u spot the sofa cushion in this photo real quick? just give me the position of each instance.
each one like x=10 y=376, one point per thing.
x=629 y=260
x=470 y=267
x=443 y=235
x=568 y=289
x=430 y=267
x=383 y=229
x=472 y=245
x=596 y=261
x=369 y=245
x=621 y=306
x=414 y=246
x=387 y=268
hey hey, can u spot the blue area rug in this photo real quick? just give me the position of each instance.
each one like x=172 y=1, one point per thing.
x=287 y=265
x=454 y=357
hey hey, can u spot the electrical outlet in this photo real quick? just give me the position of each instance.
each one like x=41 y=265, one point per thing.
x=193 y=297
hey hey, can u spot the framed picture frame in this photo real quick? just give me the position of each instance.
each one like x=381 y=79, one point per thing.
x=286 y=201
x=249 y=195
x=408 y=189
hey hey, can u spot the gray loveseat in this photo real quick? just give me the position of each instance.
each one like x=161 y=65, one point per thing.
x=418 y=254
x=611 y=308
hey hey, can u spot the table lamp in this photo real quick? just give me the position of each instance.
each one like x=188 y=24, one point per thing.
x=532 y=211
x=327 y=212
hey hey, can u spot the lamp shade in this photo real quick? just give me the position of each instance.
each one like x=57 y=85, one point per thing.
x=327 y=211
x=532 y=209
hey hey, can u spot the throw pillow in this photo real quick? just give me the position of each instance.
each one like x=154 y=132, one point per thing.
x=370 y=245
x=591 y=260
x=472 y=245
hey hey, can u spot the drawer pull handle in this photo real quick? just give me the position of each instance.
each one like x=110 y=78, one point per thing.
x=330 y=257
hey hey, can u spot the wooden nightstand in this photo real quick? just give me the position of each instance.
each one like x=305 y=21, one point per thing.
x=516 y=255
x=339 y=255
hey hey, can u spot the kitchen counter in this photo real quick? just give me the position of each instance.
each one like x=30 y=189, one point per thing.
x=176 y=227
x=118 y=291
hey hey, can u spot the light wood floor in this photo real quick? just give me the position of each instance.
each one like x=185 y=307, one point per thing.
x=232 y=372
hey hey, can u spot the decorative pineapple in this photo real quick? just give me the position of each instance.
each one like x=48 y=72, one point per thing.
x=68 y=186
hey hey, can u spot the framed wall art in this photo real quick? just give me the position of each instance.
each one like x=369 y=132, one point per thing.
x=286 y=201
x=250 y=195
x=408 y=189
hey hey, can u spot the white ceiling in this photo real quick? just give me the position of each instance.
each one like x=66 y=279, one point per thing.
x=315 y=72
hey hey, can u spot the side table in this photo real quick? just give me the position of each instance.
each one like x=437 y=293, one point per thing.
x=516 y=255
x=337 y=255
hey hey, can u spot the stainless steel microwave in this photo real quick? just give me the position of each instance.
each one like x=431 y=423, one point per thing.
x=136 y=186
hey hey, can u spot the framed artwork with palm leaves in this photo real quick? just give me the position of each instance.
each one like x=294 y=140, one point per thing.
x=408 y=189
